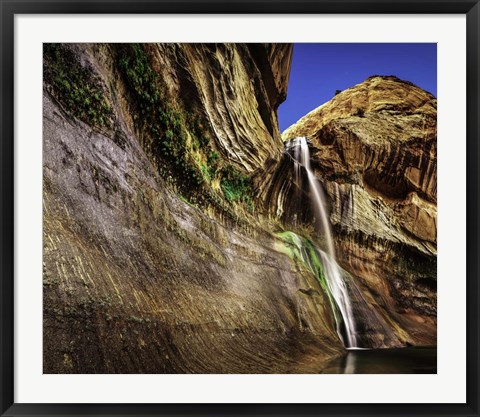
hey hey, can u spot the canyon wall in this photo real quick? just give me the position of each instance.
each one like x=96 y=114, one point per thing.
x=142 y=272
x=169 y=204
x=374 y=148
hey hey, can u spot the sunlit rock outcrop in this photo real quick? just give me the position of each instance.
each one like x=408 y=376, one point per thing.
x=374 y=150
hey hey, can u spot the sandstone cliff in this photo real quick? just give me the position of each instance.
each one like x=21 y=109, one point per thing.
x=154 y=260
x=374 y=149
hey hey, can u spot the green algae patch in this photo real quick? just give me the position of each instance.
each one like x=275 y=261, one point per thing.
x=303 y=250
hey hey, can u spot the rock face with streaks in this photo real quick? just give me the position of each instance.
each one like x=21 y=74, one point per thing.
x=170 y=211
x=374 y=149
x=237 y=88
x=141 y=276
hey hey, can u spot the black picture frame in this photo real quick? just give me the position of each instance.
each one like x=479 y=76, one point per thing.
x=470 y=8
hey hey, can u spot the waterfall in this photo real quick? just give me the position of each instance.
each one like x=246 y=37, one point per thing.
x=298 y=149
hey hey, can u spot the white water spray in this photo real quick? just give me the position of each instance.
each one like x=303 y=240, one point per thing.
x=298 y=148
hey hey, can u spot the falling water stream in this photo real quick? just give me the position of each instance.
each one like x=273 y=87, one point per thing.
x=298 y=149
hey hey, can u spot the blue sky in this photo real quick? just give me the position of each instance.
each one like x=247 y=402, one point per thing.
x=318 y=69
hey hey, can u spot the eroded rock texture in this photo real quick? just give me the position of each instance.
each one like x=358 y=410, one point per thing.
x=374 y=149
x=137 y=278
x=167 y=191
x=237 y=88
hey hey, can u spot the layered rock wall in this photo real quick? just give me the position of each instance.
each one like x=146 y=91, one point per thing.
x=374 y=149
x=138 y=278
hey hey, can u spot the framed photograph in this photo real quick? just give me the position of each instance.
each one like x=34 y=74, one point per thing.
x=239 y=208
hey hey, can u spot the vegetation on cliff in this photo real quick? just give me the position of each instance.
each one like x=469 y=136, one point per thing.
x=178 y=140
x=76 y=87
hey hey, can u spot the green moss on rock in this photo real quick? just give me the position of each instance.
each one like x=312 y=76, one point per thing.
x=179 y=141
x=236 y=186
x=76 y=87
